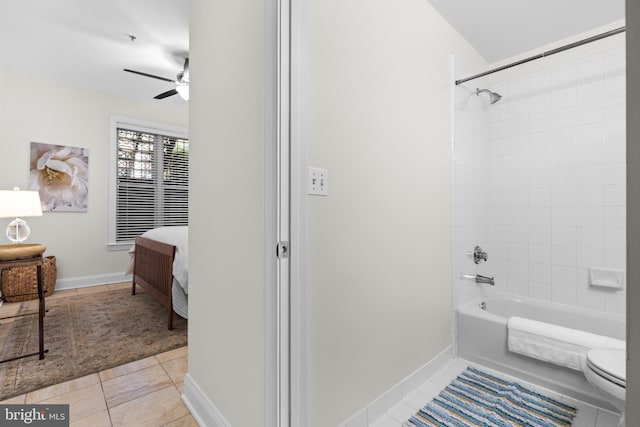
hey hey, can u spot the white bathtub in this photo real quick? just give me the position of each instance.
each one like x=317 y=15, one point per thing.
x=482 y=338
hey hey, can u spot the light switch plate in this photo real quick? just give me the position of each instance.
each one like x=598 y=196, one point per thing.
x=318 y=182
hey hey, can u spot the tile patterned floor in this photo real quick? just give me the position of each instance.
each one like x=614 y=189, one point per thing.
x=587 y=415
x=141 y=393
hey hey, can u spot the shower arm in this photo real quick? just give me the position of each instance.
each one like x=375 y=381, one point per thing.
x=493 y=96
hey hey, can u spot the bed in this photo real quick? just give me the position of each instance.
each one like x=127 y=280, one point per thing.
x=159 y=264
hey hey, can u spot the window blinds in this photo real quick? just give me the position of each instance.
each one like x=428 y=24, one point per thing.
x=152 y=183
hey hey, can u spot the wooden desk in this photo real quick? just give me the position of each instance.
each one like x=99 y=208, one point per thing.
x=35 y=261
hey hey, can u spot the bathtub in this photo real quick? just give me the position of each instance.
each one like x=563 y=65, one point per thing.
x=482 y=338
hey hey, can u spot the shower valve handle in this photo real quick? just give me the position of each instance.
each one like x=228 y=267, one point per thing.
x=478 y=255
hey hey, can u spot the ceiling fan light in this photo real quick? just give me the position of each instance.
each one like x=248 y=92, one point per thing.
x=183 y=91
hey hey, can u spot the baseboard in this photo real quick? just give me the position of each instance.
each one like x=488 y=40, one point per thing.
x=387 y=400
x=202 y=409
x=86 y=281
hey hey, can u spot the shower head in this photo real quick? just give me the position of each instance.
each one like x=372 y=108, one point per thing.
x=493 y=96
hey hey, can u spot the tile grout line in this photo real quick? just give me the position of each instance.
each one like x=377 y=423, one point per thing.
x=105 y=400
x=142 y=396
x=174 y=386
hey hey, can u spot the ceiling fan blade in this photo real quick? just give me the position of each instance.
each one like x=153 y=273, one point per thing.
x=166 y=94
x=149 y=75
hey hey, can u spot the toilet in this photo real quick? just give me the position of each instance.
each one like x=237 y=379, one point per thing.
x=606 y=371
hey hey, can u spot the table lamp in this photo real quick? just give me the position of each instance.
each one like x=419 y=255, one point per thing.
x=16 y=204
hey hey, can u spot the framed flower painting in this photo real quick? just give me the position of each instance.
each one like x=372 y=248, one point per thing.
x=61 y=175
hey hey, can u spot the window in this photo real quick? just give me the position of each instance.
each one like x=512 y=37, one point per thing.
x=151 y=179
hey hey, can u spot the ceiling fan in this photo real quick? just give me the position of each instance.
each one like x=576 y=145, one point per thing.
x=181 y=82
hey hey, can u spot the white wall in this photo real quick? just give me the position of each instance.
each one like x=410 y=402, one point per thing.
x=379 y=246
x=3 y=81
x=49 y=112
x=227 y=212
x=557 y=176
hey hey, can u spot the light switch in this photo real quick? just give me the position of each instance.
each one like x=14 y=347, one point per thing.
x=318 y=182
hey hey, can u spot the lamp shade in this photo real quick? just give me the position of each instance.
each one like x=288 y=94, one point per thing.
x=18 y=203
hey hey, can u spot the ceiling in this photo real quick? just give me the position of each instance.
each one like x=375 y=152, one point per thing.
x=88 y=43
x=500 y=29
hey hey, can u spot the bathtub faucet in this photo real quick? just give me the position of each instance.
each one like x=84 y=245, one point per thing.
x=484 y=279
x=480 y=279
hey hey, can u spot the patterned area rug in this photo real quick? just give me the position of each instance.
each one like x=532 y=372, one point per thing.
x=476 y=398
x=85 y=334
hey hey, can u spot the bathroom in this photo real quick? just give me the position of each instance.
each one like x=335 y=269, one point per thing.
x=378 y=109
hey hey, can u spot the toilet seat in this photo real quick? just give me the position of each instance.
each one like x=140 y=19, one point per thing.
x=609 y=364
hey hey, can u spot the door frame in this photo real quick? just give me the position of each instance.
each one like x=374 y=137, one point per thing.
x=285 y=205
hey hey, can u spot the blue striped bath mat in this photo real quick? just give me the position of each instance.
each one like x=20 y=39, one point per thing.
x=476 y=398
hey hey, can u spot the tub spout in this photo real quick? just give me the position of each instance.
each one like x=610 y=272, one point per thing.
x=480 y=279
x=484 y=279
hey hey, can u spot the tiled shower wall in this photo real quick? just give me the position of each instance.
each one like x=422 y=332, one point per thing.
x=548 y=200
x=471 y=188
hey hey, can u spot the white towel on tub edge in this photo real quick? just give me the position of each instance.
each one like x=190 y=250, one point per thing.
x=555 y=344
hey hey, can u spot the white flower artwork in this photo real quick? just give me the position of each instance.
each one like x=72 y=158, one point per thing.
x=61 y=175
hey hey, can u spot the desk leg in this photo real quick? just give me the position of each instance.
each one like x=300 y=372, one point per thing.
x=40 y=314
